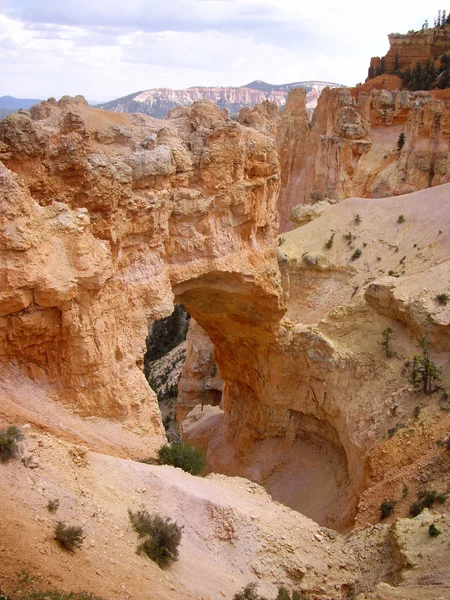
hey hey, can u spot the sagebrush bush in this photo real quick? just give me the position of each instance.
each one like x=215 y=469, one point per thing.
x=433 y=530
x=386 y=508
x=249 y=593
x=443 y=299
x=426 y=499
x=69 y=537
x=29 y=587
x=8 y=442
x=53 y=505
x=163 y=536
x=178 y=454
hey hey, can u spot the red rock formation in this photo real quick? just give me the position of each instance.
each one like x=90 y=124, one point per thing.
x=104 y=217
x=293 y=146
x=351 y=147
x=408 y=49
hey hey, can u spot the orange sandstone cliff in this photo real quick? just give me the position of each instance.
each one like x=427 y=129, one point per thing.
x=108 y=219
x=350 y=147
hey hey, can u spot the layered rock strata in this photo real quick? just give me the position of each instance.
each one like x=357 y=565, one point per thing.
x=405 y=50
x=105 y=218
x=350 y=148
x=326 y=382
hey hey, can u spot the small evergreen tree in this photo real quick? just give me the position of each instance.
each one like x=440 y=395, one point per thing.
x=425 y=372
x=401 y=141
x=406 y=78
x=396 y=67
x=388 y=336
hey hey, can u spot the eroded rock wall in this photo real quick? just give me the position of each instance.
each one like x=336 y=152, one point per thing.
x=102 y=216
x=350 y=149
x=200 y=381
x=405 y=50
x=325 y=381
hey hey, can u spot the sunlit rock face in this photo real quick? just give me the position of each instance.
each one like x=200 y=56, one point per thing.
x=350 y=147
x=108 y=219
x=104 y=219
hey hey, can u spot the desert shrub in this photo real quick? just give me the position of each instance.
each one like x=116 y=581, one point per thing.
x=349 y=237
x=316 y=196
x=357 y=219
x=388 y=336
x=283 y=594
x=443 y=299
x=386 y=508
x=163 y=536
x=426 y=499
x=401 y=219
x=433 y=530
x=53 y=505
x=248 y=593
x=29 y=587
x=8 y=442
x=281 y=241
x=417 y=412
x=330 y=241
x=69 y=537
x=393 y=430
x=182 y=456
x=356 y=254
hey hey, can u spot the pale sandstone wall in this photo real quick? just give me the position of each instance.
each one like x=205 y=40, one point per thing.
x=350 y=148
x=102 y=216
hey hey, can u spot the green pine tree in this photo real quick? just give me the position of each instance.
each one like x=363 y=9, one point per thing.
x=401 y=141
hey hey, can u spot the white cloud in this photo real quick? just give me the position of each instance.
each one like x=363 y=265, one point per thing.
x=112 y=47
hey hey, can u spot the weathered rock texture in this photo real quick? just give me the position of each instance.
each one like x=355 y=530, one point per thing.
x=107 y=219
x=104 y=219
x=350 y=148
x=200 y=381
x=324 y=382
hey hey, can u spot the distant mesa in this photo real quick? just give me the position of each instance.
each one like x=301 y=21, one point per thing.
x=157 y=102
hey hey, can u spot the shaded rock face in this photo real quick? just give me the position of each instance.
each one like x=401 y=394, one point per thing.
x=200 y=381
x=350 y=148
x=105 y=220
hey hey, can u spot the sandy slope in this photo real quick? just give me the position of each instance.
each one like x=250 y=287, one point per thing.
x=233 y=533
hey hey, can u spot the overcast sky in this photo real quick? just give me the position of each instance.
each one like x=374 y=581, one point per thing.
x=110 y=48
